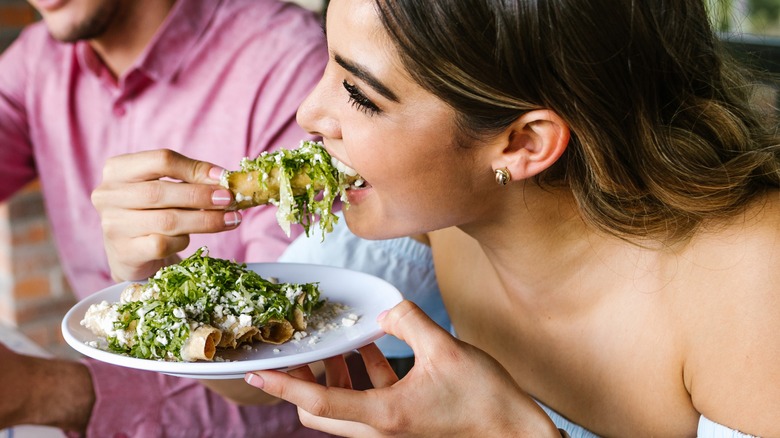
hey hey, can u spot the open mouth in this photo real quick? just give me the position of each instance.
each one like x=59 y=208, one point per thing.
x=356 y=182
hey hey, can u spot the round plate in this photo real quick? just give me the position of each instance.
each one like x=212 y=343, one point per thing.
x=365 y=296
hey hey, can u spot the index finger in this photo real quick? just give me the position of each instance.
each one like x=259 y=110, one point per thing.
x=321 y=401
x=159 y=163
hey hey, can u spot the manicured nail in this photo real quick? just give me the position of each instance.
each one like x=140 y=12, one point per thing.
x=381 y=316
x=232 y=218
x=254 y=380
x=215 y=173
x=221 y=197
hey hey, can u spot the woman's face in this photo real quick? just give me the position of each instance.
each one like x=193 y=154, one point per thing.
x=397 y=136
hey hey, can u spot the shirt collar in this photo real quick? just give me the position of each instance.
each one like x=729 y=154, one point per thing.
x=163 y=57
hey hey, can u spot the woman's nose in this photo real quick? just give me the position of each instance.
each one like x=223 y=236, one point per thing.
x=316 y=115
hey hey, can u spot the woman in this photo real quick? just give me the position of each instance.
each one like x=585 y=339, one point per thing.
x=602 y=205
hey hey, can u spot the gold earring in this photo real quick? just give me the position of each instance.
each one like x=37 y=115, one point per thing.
x=503 y=176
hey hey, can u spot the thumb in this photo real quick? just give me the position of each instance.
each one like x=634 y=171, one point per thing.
x=407 y=322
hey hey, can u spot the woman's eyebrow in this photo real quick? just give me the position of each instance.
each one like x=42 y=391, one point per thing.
x=366 y=76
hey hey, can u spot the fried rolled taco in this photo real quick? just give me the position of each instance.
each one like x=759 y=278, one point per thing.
x=189 y=310
x=302 y=183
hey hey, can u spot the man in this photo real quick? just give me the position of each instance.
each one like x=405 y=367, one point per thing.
x=218 y=80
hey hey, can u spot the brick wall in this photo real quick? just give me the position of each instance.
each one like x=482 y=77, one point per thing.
x=34 y=294
x=13 y=15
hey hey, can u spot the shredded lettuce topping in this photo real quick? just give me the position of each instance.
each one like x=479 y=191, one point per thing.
x=311 y=159
x=197 y=291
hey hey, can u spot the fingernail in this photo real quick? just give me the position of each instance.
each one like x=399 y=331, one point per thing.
x=381 y=316
x=254 y=380
x=221 y=197
x=232 y=218
x=215 y=173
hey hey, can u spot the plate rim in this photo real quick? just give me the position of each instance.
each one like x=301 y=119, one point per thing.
x=237 y=368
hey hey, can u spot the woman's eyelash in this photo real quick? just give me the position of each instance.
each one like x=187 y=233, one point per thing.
x=359 y=100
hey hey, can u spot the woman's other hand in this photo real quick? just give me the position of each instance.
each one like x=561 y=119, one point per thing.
x=150 y=202
x=454 y=389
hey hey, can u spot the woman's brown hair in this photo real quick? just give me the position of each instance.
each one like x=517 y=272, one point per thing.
x=663 y=133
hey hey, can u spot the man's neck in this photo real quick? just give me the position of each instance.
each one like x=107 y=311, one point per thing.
x=129 y=35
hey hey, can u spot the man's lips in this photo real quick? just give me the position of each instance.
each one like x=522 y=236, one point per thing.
x=49 y=5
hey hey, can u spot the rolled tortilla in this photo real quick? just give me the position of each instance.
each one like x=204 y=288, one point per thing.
x=298 y=320
x=249 y=191
x=236 y=337
x=246 y=335
x=99 y=318
x=276 y=331
x=132 y=292
x=202 y=344
x=228 y=339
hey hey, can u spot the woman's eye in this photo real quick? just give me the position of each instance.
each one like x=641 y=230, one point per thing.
x=359 y=100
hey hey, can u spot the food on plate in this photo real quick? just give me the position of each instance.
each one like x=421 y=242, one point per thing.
x=301 y=182
x=188 y=310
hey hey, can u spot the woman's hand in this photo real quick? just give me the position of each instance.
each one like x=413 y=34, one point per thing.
x=454 y=389
x=147 y=217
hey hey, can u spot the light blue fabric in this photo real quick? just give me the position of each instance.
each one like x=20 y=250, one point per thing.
x=405 y=263
x=574 y=430
x=711 y=429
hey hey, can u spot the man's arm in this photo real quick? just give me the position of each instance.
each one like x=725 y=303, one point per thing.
x=41 y=391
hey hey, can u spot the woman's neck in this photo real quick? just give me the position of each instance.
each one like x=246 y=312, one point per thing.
x=539 y=244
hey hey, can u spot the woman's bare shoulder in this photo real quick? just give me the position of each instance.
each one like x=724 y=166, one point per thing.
x=732 y=327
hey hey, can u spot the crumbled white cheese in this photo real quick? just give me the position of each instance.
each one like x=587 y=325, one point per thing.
x=244 y=320
x=349 y=320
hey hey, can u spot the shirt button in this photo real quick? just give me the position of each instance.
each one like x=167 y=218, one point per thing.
x=119 y=111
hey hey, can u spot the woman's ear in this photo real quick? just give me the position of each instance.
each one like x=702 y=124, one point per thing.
x=533 y=143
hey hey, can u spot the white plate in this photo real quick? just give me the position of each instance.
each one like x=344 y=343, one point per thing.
x=365 y=295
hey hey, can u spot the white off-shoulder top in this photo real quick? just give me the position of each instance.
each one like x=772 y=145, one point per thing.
x=707 y=428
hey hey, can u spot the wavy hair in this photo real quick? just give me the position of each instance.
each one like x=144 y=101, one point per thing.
x=664 y=136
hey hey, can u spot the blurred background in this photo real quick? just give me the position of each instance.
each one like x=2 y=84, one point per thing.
x=757 y=17
x=34 y=295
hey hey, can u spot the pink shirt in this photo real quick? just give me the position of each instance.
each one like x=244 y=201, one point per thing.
x=221 y=80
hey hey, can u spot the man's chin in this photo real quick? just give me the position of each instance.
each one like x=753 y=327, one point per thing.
x=68 y=27
x=72 y=37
